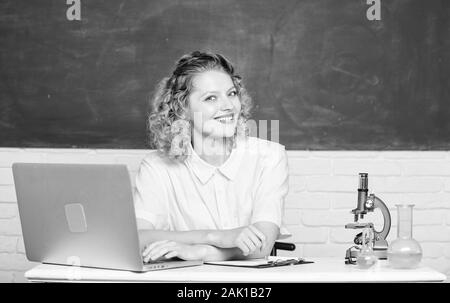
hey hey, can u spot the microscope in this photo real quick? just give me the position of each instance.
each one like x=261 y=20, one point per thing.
x=368 y=203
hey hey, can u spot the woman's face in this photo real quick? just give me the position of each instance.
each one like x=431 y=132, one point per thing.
x=213 y=104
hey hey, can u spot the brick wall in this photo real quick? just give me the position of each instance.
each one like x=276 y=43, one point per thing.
x=322 y=193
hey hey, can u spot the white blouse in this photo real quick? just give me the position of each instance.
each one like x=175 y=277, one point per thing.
x=249 y=187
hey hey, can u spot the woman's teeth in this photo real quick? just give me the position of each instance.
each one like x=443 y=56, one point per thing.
x=226 y=119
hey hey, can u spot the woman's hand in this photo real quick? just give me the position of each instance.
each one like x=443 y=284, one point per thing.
x=248 y=239
x=163 y=250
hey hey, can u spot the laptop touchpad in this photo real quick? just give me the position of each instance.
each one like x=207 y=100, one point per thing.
x=76 y=218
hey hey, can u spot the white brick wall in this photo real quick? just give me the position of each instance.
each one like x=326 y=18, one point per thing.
x=322 y=193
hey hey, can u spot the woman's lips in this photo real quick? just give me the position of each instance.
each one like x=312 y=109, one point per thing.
x=225 y=119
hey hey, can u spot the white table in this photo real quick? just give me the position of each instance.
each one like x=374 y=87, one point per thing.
x=322 y=270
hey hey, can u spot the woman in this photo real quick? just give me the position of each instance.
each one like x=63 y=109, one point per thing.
x=209 y=191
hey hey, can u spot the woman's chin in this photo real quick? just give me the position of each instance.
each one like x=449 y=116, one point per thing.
x=226 y=131
x=223 y=133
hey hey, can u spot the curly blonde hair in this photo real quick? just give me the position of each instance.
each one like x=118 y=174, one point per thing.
x=169 y=130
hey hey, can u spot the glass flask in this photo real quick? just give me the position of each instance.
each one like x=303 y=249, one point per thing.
x=404 y=252
x=366 y=257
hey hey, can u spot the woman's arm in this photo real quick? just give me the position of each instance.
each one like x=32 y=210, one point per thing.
x=172 y=248
x=221 y=238
x=270 y=231
x=148 y=236
x=247 y=238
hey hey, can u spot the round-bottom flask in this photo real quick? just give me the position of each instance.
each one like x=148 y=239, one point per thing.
x=366 y=257
x=404 y=252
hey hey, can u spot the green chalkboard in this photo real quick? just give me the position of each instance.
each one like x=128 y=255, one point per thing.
x=333 y=79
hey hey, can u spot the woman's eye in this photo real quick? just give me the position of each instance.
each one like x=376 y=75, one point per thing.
x=233 y=93
x=210 y=98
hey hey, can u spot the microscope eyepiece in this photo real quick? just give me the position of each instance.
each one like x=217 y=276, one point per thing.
x=363 y=181
x=360 y=209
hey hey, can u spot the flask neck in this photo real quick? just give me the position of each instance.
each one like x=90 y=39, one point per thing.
x=404 y=230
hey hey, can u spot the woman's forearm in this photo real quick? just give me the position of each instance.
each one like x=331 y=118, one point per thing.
x=147 y=236
x=212 y=253
x=214 y=244
x=206 y=237
x=217 y=252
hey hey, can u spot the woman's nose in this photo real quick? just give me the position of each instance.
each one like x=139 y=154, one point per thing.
x=226 y=103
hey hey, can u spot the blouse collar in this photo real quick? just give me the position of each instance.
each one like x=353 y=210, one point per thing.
x=204 y=171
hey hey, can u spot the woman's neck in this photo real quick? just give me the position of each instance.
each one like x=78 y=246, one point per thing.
x=214 y=151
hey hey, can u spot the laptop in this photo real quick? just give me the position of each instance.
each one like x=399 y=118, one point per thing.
x=81 y=214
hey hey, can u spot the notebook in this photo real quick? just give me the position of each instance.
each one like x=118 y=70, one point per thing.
x=271 y=261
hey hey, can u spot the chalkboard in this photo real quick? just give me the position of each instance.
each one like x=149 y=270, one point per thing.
x=334 y=79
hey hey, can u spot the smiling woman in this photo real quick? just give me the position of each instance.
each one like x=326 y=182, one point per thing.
x=213 y=108
x=209 y=191
x=193 y=92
